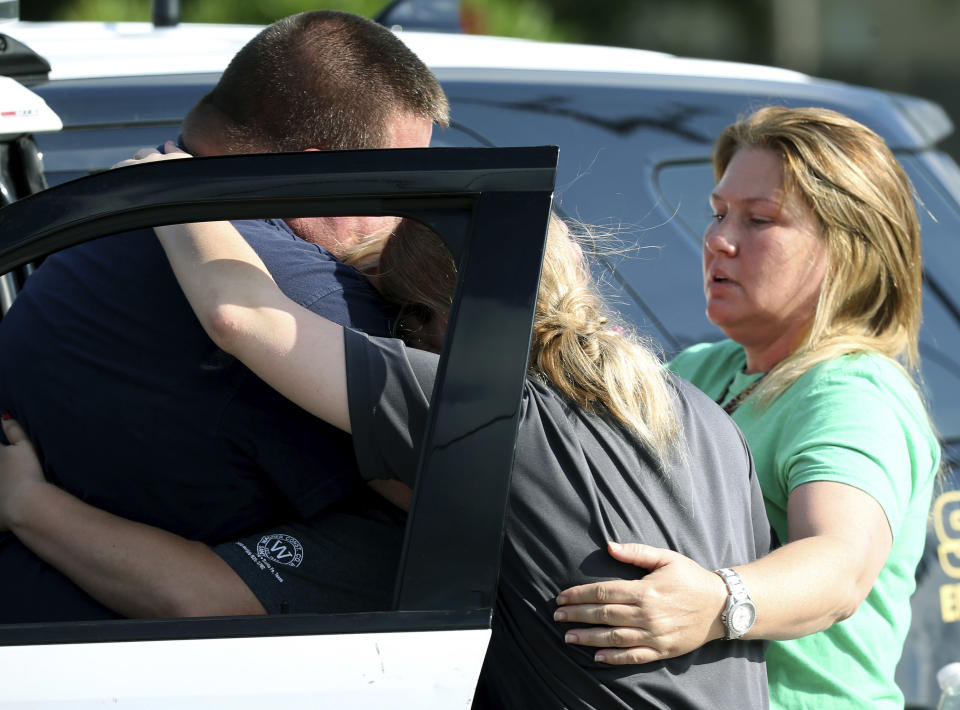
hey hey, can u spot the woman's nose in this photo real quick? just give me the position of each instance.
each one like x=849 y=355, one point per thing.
x=716 y=241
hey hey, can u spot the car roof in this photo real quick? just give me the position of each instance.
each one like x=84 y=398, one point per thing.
x=96 y=49
x=91 y=50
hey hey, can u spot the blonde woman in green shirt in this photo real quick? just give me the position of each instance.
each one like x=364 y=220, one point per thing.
x=812 y=269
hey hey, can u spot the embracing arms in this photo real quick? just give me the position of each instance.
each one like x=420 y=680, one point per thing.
x=240 y=306
x=134 y=569
x=839 y=540
x=141 y=571
x=295 y=351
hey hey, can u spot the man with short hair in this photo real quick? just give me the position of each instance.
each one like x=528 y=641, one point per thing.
x=134 y=410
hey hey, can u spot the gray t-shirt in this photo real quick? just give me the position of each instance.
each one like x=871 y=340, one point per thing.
x=578 y=481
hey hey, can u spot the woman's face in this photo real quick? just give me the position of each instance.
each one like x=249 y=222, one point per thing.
x=763 y=257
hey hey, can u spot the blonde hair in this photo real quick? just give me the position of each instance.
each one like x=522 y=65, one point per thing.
x=576 y=346
x=870 y=300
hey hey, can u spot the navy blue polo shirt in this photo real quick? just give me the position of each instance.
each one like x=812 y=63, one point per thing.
x=133 y=408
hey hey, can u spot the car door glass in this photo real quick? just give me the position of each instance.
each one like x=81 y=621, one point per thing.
x=685 y=188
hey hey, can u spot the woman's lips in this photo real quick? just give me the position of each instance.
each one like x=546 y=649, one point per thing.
x=719 y=282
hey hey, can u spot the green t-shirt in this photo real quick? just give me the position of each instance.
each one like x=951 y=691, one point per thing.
x=857 y=420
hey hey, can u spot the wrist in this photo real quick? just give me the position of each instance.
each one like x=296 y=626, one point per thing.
x=739 y=612
x=23 y=502
x=719 y=596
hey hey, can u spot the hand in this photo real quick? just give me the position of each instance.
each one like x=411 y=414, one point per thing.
x=150 y=155
x=19 y=471
x=673 y=610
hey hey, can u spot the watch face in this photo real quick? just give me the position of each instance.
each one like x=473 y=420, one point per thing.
x=742 y=618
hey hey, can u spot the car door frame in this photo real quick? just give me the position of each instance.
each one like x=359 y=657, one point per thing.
x=491 y=206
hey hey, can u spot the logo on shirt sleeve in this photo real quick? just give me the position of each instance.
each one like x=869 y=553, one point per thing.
x=281 y=549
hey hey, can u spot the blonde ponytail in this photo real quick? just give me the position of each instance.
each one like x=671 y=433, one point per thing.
x=602 y=367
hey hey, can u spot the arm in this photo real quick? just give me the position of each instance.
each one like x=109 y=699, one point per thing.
x=839 y=541
x=295 y=351
x=240 y=306
x=134 y=569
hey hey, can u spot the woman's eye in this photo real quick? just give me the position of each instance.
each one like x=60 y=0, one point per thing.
x=760 y=220
x=717 y=217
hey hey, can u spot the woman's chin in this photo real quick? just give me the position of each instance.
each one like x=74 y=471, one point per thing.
x=720 y=314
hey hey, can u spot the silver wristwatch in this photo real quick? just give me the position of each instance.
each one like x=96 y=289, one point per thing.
x=740 y=613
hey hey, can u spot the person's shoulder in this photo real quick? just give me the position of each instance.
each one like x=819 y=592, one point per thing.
x=688 y=392
x=863 y=385
x=868 y=372
x=316 y=279
x=705 y=360
x=725 y=348
x=270 y=234
x=699 y=413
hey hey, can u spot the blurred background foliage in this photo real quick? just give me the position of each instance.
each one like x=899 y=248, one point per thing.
x=831 y=36
x=519 y=18
x=615 y=23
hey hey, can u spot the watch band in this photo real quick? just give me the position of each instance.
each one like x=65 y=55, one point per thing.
x=740 y=612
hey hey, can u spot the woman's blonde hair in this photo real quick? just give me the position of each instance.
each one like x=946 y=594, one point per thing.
x=577 y=347
x=845 y=173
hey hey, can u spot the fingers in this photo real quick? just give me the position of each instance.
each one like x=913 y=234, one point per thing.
x=605 y=637
x=171 y=151
x=124 y=163
x=622 y=591
x=140 y=156
x=13 y=431
x=615 y=592
x=606 y=614
x=16 y=435
x=645 y=556
x=626 y=645
x=145 y=153
x=619 y=647
x=628 y=656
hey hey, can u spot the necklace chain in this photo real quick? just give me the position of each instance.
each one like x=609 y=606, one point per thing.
x=732 y=406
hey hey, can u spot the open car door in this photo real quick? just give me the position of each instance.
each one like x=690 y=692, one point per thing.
x=427 y=651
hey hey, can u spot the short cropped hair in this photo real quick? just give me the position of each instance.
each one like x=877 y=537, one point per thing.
x=322 y=79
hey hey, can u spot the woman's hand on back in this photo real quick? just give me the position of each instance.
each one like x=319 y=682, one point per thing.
x=673 y=610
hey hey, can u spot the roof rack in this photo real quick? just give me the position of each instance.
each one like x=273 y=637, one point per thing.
x=20 y=62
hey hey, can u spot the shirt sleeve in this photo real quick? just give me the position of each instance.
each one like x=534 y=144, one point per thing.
x=848 y=430
x=389 y=389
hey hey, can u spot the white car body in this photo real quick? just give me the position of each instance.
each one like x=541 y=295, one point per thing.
x=364 y=671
